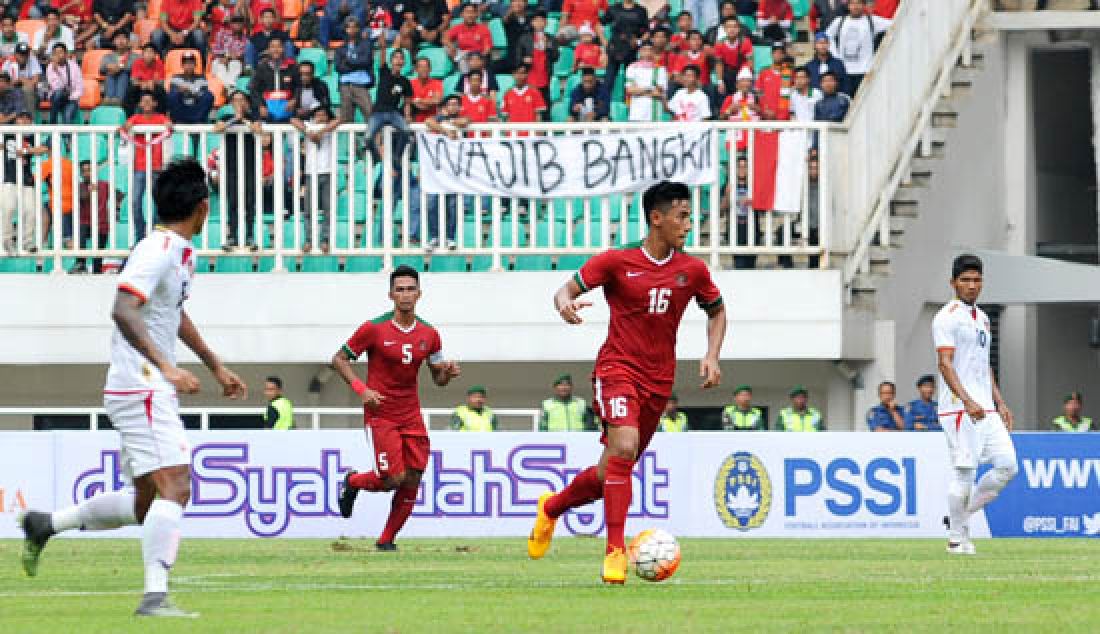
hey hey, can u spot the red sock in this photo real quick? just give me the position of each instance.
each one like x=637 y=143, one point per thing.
x=400 y=508
x=617 y=485
x=367 y=481
x=585 y=488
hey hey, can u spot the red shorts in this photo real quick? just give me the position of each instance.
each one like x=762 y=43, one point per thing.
x=622 y=403
x=396 y=449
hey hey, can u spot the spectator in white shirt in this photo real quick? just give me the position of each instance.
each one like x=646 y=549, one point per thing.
x=804 y=96
x=854 y=38
x=645 y=86
x=320 y=164
x=53 y=33
x=690 y=104
x=25 y=72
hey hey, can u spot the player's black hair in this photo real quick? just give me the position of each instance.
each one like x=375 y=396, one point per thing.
x=693 y=68
x=306 y=62
x=276 y=381
x=890 y=383
x=927 y=378
x=588 y=70
x=730 y=17
x=694 y=32
x=661 y=195
x=963 y=263
x=404 y=271
x=802 y=69
x=179 y=189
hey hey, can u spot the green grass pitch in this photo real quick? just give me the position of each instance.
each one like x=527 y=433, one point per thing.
x=489 y=585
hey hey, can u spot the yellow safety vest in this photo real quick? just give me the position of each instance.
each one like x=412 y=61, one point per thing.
x=1064 y=424
x=790 y=420
x=469 y=420
x=285 y=410
x=733 y=418
x=558 y=415
x=677 y=424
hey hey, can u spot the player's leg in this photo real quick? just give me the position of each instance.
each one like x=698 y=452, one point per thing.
x=961 y=438
x=415 y=452
x=997 y=448
x=384 y=442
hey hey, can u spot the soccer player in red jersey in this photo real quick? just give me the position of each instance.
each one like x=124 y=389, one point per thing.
x=647 y=286
x=396 y=344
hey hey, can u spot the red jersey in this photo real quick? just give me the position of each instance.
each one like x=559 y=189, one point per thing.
x=478 y=109
x=142 y=141
x=647 y=299
x=540 y=67
x=588 y=55
x=698 y=59
x=430 y=89
x=476 y=38
x=734 y=54
x=180 y=14
x=522 y=105
x=678 y=42
x=774 y=10
x=584 y=12
x=394 y=357
x=775 y=93
x=140 y=71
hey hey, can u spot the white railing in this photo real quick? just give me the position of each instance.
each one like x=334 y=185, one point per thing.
x=367 y=214
x=439 y=416
x=890 y=120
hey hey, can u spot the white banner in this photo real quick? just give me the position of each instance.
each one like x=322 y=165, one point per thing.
x=256 y=483
x=568 y=166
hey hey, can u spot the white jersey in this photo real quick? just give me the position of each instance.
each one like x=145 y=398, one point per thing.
x=159 y=271
x=966 y=330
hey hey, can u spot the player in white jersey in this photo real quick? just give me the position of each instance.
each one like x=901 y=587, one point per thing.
x=972 y=411
x=141 y=392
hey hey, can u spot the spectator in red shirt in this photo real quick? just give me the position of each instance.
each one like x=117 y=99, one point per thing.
x=662 y=55
x=774 y=18
x=685 y=24
x=146 y=168
x=146 y=75
x=539 y=52
x=887 y=8
x=476 y=107
x=427 y=93
x=732 y=54
x=101 y=201
x=692 y=55
x=523 y=104
x=588 y=53
x=467 y=37
x=179 y=26
x=578 y=13
x=221 y=15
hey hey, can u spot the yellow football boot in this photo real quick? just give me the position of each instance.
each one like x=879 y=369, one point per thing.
x=538 y=542
x=614 y=567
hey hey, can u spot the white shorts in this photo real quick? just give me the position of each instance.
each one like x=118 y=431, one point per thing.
x=151 y=434
x=972 y=444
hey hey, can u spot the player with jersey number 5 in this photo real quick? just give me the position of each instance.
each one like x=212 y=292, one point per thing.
x=141 y=396
x=396 y=344
x=648 y=286
x=972 y=410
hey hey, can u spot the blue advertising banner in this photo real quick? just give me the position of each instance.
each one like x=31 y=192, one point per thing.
x=1057 y=492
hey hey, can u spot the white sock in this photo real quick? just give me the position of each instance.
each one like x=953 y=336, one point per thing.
x=958 y=497
x=990 y=486
x=101 y=512
x=159 y=543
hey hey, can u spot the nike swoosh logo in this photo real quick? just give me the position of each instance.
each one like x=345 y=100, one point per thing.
x=388 y=343
x=615 y=482
x=634 y=273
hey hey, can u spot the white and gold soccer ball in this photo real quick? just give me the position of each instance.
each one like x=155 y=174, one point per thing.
x=655 y=554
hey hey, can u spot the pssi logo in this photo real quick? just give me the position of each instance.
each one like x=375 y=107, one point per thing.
x=883 y=486
x=742 y=492
x=12 y=500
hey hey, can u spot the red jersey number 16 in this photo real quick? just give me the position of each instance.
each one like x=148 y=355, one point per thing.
x=658 y=300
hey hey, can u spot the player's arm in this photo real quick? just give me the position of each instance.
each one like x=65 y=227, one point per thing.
x=127 y=317
x=566 y=301
x=341 y=362
x=709 y=368
x=232 y=385
x=444 y=371
x=947 y=371
x=999 y=403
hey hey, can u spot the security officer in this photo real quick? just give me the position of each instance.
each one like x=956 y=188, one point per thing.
x=280 y=411
x=475 y=415
x=741 y=415
x=799 y=416
x=923 y=413
x=673 y=419
x=565 y=412
x=1071 y=418
x=887 y=415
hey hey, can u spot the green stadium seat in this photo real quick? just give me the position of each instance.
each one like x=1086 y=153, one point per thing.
x=202 y=264
x=233 y=264
x=761 y=57
x=552 y=22
x=801 y=8
x=415 y=261
x=564 y=65
x=242 y=85
x=559 y=112
x=18 y=265
x=441 y=64
x=619 y=112
x=534 y=263
x=84 y=148
x=571 y=262
x=500 y=38
x=107 y=115
x=505 y=83
x=266 y=264
x=363 y=264
x=447 y=263
x=749 y=22
x=320 y=264
x=333 y=83
x=450 y=84
x=318 y=57
x=481 y=263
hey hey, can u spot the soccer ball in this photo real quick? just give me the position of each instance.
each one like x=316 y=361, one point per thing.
x=655 y=554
